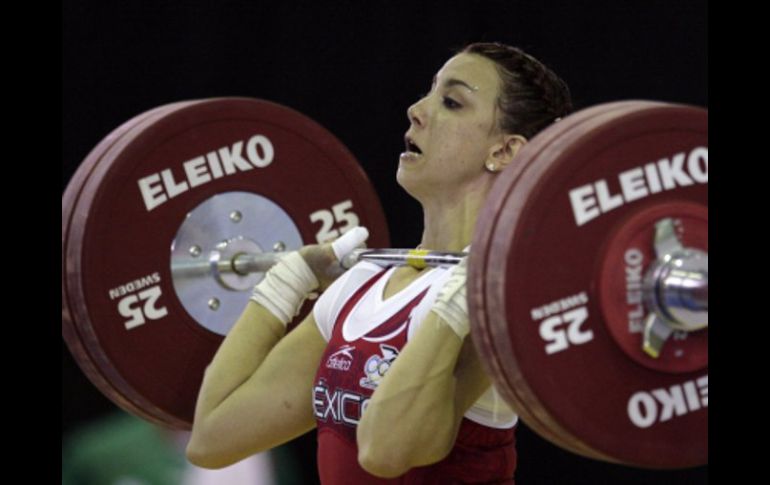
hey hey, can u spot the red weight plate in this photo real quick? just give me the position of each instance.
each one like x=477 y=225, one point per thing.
x=137 y=198
x=69 y=199
x=556 y=350
x=484 y=330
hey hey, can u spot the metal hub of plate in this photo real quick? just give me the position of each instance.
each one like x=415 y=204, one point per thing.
x=219 y=238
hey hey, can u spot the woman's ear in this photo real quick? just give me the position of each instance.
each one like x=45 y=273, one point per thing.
x=503 y=153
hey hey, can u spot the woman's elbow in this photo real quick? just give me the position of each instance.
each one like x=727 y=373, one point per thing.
x=377 y=454
x=382 y=463
x=198 y=456
x=200 y=453
x=395 y=459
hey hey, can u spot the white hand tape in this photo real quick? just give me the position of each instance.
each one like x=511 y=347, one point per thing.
x=349 y=241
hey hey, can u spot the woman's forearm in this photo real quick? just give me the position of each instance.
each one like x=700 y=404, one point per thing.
x=256 y=392
x=413 y=417
x=244 y=348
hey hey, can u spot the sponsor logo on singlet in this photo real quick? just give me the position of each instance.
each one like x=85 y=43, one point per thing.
x=341 y=359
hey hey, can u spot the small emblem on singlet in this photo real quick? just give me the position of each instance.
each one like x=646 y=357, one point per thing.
x=341 y=359
x=377 y=365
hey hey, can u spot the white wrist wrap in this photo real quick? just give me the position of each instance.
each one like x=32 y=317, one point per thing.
x=285 y=287
x=451 y=303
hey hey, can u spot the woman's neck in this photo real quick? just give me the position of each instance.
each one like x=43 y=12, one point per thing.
x=450 y=220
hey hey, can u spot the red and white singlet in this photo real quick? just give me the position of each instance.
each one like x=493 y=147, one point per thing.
x=365 y=335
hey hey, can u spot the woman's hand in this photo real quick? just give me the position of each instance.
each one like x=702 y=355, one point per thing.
x=324 y=259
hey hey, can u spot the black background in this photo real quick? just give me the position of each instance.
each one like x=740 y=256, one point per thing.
x=355 y=67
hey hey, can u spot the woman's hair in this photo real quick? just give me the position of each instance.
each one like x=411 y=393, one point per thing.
x=531 y=95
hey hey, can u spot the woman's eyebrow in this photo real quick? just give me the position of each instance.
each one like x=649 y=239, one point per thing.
x=456 y=82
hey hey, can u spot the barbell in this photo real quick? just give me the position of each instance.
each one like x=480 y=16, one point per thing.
x=588 y=274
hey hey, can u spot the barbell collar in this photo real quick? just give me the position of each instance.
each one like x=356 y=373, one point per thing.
x=675 y=287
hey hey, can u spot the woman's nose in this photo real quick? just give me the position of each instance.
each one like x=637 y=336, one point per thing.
x=415 y=113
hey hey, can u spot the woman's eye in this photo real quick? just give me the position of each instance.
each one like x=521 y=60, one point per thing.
x=451 y=103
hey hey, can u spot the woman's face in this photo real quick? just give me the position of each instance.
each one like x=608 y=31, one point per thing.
x=453 y=128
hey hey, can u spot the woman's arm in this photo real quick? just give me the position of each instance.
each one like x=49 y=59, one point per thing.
x=256 y=392
x=415 y=413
